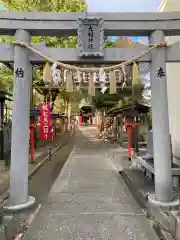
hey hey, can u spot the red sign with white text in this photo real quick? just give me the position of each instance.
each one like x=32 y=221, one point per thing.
x=45 y=129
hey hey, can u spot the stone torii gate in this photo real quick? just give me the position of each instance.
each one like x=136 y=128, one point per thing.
x=24 y=25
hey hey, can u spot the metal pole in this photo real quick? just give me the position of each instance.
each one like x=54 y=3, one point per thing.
x=136 y=135
x=50 y=154
x=20 y=126
x=160 y=121
x=2 y=130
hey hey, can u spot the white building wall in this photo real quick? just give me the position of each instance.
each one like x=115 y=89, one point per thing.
x=173 y=84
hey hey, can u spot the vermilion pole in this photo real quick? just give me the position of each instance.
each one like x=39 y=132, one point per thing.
x=80 y=120
x=129 y=127
x=53 y=131
x=32 y=143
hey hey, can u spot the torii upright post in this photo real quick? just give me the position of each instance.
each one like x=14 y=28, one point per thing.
x=20 y=127
x=160 y=123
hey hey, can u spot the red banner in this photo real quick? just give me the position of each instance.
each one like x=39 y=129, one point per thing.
x=45 y=129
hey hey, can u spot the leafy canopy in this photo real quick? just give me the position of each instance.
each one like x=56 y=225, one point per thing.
x=6 y=74
x=49 y=6
x=63 y=42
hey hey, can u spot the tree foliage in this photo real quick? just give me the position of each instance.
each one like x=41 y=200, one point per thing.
x=6 y=74
x=45 y=5
x=6 y=78
x=109 y=100
x=48 y=6
x=63 y=42
x=110 y=44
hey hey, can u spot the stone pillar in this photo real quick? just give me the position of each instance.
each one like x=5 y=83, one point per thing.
x=20 y=127
x=160 y=121
x=173 y=83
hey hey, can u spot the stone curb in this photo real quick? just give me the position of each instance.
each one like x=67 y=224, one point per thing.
x=164 y=223
x=41 y=163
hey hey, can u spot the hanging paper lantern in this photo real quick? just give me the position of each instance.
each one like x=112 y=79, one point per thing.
x=69 y=81
x=102 y=75
x=78 y=76
x=118 y=76
x=112 y=83
x=83 y=76
x=103 y=88
x=94 y=77
x=136 y=83
x=65 y=75
x=78 y=80
x=91 y=88
x=124 y=75
x=47 y=74
x=102 y=79
x=54 y=73
x=59 y=79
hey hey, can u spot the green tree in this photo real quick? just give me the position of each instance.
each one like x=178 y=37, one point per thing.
x=110 y=44
x=49 y=6
x=6 y=78
x=133 y=93
x=6 y=74
x=63 y=42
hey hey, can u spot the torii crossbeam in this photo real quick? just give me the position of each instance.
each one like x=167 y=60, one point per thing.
x=154 y=25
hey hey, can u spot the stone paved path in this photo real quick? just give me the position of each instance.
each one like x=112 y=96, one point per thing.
x=40 y=154
x=89 y=200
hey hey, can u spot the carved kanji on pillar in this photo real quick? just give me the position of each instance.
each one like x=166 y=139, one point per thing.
x=90 y=37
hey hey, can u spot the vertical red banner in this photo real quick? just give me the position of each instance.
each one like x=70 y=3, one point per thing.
x=45 y=128
x=80 y=120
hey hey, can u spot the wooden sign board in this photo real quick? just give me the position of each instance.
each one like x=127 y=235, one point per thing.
x=90 y=37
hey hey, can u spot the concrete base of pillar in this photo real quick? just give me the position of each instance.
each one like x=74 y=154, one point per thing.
x=15 y=208
x=176 y=160
x=174 y=204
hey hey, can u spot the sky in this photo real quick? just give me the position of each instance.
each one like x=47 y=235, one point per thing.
x=123 y=5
